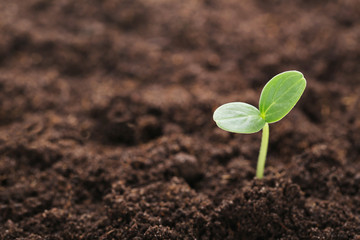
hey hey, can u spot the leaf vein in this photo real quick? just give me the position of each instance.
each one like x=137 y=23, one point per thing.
x=294 y=85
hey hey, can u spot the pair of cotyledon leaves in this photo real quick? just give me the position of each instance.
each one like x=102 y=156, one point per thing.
x=277 y=98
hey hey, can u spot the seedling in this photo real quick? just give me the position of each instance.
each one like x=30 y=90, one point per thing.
x=277 y=98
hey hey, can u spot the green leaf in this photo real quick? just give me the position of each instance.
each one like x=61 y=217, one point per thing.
x=280 y=95
x=238 y=117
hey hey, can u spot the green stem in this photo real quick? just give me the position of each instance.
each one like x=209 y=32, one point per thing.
x=263 y=151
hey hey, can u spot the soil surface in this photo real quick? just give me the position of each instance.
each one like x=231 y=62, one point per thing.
x=106 y=127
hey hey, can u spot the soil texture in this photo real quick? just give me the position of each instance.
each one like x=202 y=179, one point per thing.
x=106 y=127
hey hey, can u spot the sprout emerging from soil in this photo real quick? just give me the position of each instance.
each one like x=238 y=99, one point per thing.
x=277 y=98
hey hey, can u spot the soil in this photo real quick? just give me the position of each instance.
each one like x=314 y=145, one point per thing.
x=106 y=127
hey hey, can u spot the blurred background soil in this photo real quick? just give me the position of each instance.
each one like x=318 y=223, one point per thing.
x=106 y=127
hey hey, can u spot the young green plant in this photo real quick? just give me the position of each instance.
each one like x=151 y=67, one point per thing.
x=277 y=98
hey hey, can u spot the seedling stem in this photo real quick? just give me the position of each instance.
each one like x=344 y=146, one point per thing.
x=263 y=150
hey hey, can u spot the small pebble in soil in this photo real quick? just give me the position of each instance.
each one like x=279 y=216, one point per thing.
x=188 y=167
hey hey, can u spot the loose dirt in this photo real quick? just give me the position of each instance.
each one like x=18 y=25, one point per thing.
x=106 y=127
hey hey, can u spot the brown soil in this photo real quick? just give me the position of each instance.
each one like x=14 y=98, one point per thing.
x=106 y=127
